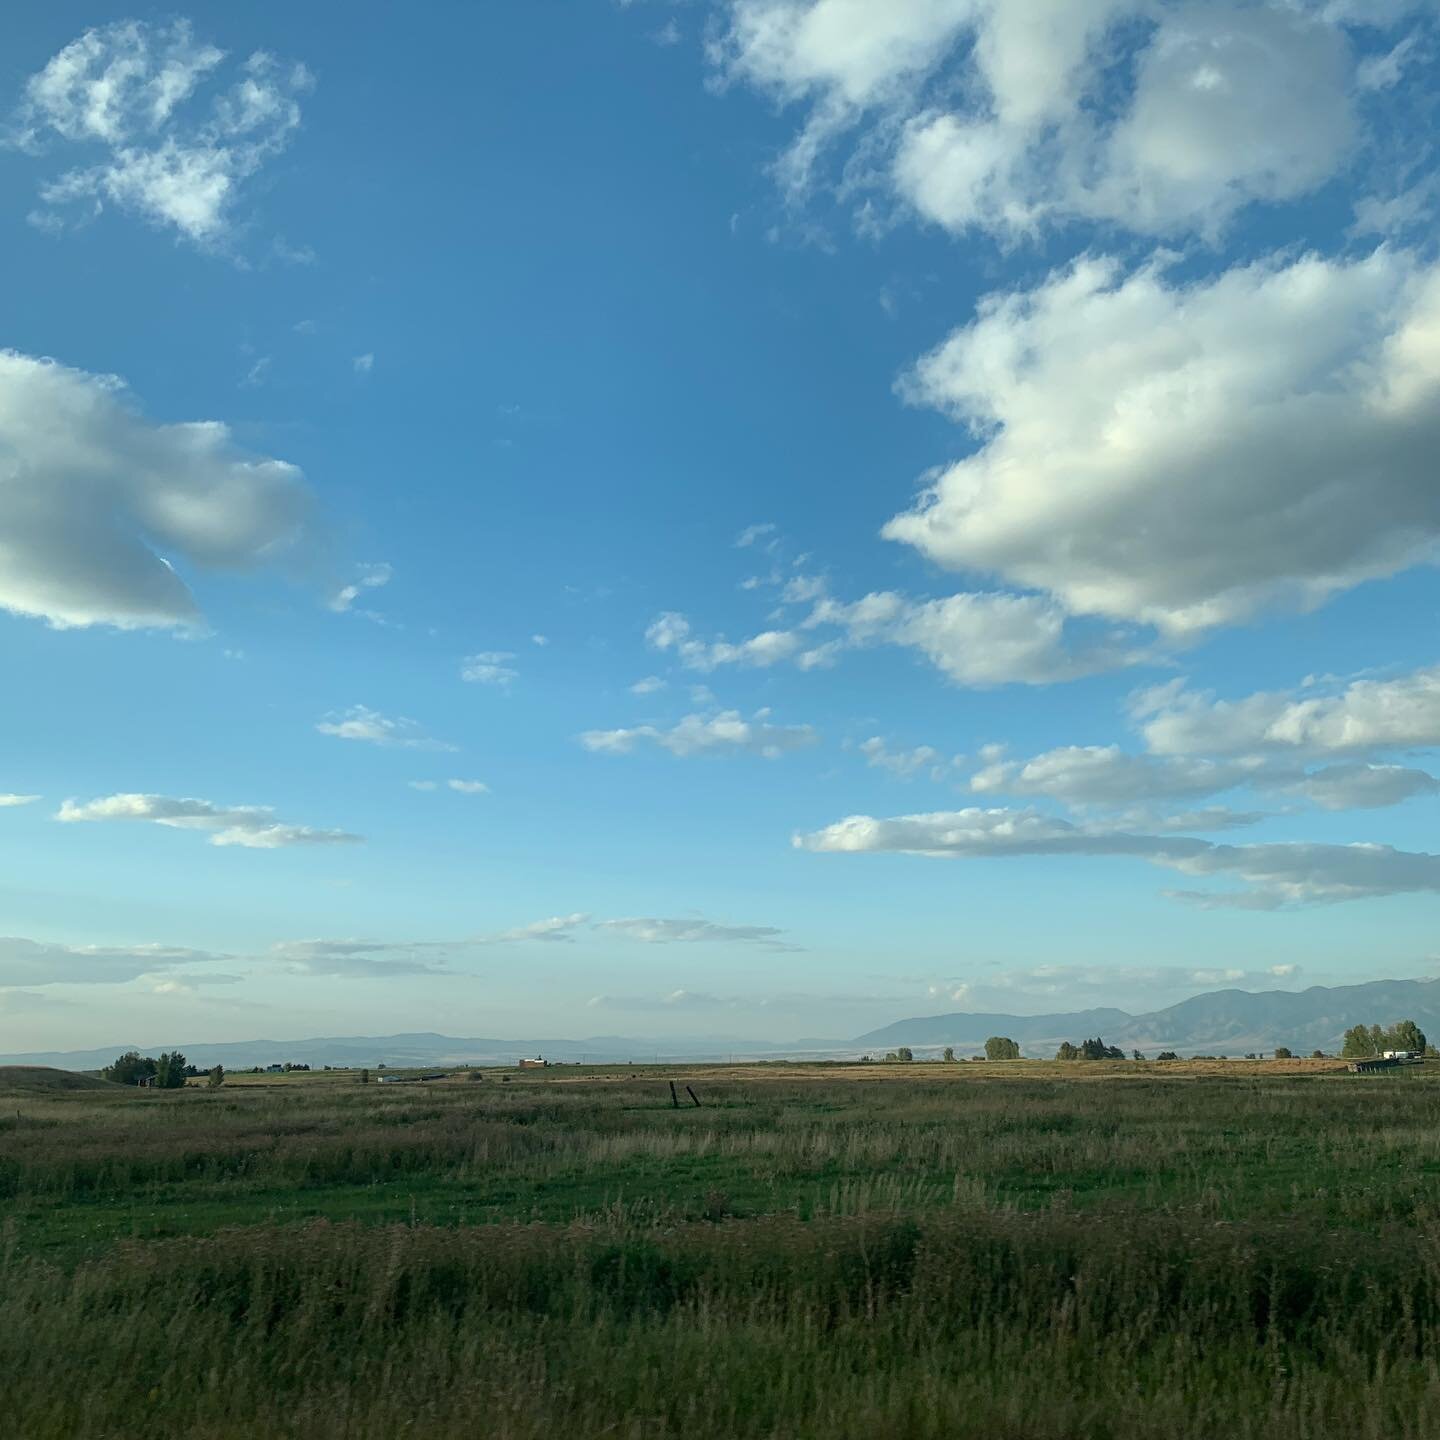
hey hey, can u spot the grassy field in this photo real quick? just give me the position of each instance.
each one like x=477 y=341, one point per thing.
x=1016 y=1250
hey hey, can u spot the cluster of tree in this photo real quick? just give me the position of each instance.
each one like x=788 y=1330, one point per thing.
x=1362 y=1043
x=902 y=1053
x=167 y=1071
x=1095 y=1049
x=1001 y=1047
x=1167 y=1055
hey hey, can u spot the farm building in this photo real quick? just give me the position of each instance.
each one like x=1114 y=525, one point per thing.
x=536 y=1064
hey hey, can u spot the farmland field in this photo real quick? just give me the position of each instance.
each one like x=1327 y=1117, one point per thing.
x=1012 y=1250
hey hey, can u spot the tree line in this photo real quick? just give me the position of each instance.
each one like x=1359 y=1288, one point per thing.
x=1363 y=1043
x=166 y=1071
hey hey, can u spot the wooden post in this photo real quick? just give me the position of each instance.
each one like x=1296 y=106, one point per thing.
x=693 y=1096
x=674 y=1098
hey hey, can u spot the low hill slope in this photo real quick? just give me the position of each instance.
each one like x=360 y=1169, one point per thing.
x=41 y=1077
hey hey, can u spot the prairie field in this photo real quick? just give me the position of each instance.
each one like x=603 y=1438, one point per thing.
x=1013 y=1250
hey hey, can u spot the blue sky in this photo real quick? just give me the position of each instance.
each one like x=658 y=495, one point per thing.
x=754 y=518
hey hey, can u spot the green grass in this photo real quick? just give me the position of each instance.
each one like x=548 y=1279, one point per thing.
x=1021 y=1253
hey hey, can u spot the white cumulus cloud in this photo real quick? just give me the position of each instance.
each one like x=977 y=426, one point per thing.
x=1365 y=715
x=100 y=509
x=1161 y=116
x=1188 y=455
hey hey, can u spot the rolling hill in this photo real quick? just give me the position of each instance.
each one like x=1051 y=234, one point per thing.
x=40 y=1078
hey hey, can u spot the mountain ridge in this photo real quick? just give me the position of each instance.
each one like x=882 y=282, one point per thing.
x=1218 y=1021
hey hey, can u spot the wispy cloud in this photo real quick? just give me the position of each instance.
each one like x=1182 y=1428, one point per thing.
x=39 y=963
x=253 y=827
x=461 y=787
x=489 y=667
x=128 y=92
x=559 y=928
x=727 y=733
x=1277 y=875
x=690 y=931
x=371 y=577
x=358 y=959
x=379 y=959
x=902 y=763
x=362 y=723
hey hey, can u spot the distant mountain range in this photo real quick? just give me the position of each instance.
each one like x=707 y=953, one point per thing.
x=1224 y=1022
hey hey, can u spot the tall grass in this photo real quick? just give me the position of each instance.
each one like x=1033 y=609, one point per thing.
x=968 y=1323
x=1027 y=1259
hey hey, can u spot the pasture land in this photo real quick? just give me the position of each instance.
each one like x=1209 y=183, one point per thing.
x=1018 y=1251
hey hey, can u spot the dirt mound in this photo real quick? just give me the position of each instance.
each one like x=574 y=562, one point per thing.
x=42 y=1077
